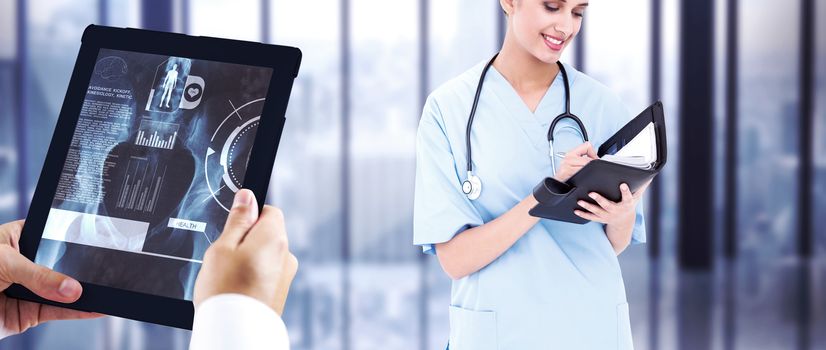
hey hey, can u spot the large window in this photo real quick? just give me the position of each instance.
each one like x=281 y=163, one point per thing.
x=620 y=59
x=8 y=30
x=383 y=119
x=238 y=19
x=8 y=155
x=769 y=162
x=307 y=179
x=8 y=152
x=460 y=26
x=120 y=13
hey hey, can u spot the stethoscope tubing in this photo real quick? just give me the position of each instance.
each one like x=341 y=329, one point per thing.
x=468 y=184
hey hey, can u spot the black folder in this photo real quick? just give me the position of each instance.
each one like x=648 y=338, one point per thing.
x=558 y=200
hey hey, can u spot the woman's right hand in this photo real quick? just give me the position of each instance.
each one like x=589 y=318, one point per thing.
x=574 y=160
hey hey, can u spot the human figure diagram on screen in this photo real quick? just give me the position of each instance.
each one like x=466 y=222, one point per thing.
x=169 y=85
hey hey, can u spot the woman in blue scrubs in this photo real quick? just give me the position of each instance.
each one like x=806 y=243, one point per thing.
x=520 y=282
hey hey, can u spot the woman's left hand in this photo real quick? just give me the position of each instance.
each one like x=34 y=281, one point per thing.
x=609 y=212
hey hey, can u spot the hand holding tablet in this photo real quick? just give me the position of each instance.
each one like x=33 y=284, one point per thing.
x=242 y=260
x=157 y=133
x=19 y=315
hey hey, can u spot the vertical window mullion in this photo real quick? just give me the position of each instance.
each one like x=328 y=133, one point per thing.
x=424 y=83
x=345 y=171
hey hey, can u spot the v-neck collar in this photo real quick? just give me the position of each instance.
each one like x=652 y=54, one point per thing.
x=534 y=124
x=512 y=90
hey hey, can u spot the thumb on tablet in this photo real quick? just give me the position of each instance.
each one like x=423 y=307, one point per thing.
x=242 y=216
x=46 y=283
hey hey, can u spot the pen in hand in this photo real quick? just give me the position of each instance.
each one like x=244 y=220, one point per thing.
x=562 y=155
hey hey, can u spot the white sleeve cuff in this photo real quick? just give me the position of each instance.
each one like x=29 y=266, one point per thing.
x=236 y=321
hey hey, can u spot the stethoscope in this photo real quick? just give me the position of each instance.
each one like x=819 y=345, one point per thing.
x=472 y=187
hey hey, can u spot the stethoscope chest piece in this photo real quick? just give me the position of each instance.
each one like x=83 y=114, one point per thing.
x=472 y=187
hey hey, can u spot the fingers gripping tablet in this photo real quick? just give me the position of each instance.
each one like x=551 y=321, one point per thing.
x=157 y=134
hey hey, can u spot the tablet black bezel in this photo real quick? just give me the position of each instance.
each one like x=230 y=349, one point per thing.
x=284 y=61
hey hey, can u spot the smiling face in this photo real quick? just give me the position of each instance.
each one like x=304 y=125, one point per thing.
x=544 y=28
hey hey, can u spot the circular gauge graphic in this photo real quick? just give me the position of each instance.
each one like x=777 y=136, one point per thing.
x=229 y=149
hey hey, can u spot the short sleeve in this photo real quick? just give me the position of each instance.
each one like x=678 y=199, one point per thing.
x=440 y=209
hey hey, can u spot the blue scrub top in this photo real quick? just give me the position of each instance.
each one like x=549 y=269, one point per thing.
x=560 y=285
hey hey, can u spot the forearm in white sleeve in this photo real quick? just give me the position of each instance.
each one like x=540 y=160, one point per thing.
x=235 y=321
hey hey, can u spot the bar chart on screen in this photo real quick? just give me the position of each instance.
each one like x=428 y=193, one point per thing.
x=157 y=134
x=141 y=185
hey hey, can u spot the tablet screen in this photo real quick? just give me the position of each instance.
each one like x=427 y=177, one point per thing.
x=160 y=147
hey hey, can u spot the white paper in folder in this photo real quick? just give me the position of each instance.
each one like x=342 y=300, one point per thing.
x=641 y=152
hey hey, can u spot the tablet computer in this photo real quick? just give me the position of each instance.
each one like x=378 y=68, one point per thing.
x=156 y=133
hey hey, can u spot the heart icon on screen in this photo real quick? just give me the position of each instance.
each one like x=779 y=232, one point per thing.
x=193 y=92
